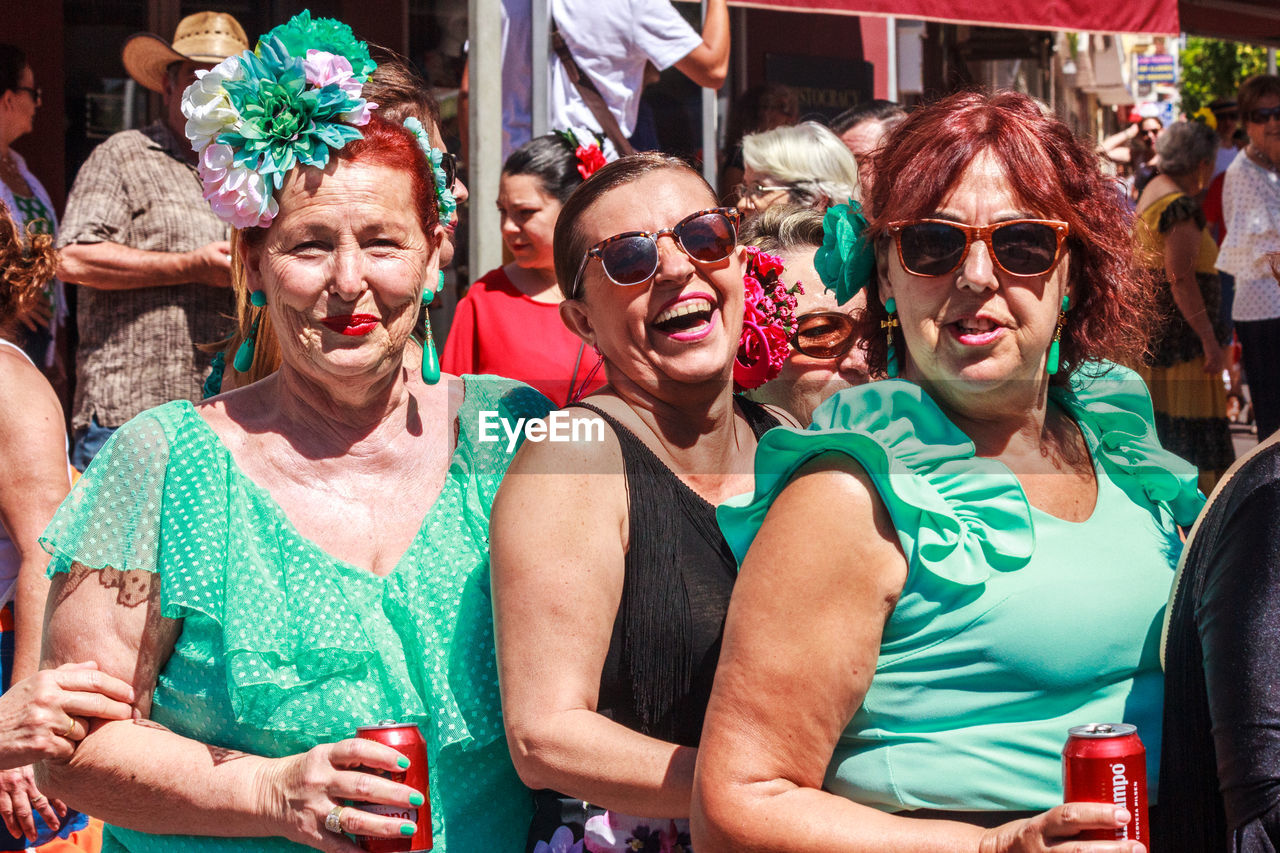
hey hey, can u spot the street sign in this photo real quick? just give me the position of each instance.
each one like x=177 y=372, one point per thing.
x=1157 y=68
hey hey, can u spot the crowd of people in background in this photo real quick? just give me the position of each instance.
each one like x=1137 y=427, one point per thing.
x=858 y=436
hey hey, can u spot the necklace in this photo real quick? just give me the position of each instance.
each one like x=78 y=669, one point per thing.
x=1256 y=155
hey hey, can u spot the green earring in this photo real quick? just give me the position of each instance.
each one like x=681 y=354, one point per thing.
x=430 y=360
x=428 y=295
x=247 y=349
x=891 y=354
x=1052 y=365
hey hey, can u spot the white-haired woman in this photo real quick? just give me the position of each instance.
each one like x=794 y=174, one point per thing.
x=805 y=164
x=1184 y=369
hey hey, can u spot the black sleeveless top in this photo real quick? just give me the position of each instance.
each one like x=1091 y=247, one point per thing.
x=678 y=575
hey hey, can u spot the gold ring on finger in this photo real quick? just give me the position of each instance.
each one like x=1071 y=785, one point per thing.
x=333 y=820
x=71 y=727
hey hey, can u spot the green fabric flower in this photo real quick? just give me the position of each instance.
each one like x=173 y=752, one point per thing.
x=445 y=199
x=283 y=120
x=301 y=33
x=846 y=260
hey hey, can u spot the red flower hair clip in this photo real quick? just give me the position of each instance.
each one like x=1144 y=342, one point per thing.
x=768 y=321
x=588 y=147
x=590 y=158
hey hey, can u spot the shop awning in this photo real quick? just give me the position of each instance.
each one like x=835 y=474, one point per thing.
x=1157 y=17
x=1254 y=21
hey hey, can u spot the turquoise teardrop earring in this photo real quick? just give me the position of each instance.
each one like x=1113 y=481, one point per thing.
x=1052 y=365
x=891 y=354
x=245 y=352
x=430 y=360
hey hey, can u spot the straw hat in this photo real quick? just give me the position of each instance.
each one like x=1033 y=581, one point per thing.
x=203 y=37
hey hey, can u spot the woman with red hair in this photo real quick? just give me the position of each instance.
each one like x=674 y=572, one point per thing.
x=307 y=554
x=989 y=535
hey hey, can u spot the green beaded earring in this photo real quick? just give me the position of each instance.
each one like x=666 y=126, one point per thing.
x=891 y=354
x=245 y=352
x=1052 y=365
x=430 y=360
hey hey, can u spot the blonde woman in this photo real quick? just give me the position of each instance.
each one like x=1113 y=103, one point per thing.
x=805 y=164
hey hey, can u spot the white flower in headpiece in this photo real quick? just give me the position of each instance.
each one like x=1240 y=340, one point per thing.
x=205 y=103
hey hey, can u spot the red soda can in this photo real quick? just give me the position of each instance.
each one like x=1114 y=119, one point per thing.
x=407 y=740
x=1107 y=763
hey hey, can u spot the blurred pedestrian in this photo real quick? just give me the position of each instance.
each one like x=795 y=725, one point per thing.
x=1226 y=117
x=863 y=128
x=27 y=200
x=1251 y=214
x=1186 y=362
x=152 y=259
x=610 y=42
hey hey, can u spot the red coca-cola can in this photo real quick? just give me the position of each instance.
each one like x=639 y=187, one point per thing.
x=407 y=740
x=1107 y=763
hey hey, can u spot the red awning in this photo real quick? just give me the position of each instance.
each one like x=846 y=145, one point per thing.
x=1255 y=21
x=1102 y=16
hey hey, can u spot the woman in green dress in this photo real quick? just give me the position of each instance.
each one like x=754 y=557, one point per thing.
x=280 y=564
x=951 y=568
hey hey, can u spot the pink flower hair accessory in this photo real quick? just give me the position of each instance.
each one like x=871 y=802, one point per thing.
x=768 y=321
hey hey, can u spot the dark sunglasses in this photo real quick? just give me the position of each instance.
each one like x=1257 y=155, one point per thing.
x=1020 y=247
x=35 y=92
x=823 y=334
x=449 y=163
x=632 y=256
x=1262 y=116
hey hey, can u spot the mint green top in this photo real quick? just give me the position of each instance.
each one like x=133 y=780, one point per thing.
x=1013 y=625
x=284 y=647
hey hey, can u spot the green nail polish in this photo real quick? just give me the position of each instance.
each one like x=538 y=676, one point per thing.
x=415 y=799
x=403 y=762
x=408 y=829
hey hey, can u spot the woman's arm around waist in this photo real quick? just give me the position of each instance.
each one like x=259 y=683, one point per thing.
x=141 y=775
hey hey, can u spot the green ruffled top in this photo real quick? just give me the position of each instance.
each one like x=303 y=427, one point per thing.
x=1013 y=625
x=284 y=647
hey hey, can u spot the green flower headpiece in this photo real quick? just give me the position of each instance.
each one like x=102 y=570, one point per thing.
x=293 y=99
x=846 y=261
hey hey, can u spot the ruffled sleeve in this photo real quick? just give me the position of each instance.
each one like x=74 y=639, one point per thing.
x=958 y=516
x=1112 y=404
x=1181 y=209
x=1251 y=204
x=112 y=518
x=445 y=612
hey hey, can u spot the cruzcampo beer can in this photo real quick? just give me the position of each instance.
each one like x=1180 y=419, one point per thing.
x=407 y=740
x=1107 y=763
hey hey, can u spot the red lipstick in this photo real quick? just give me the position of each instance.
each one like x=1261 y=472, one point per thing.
x=354 y=325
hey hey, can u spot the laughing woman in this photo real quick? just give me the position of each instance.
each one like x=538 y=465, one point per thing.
x=610 y=579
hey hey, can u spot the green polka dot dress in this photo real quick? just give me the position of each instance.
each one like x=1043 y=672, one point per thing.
x=284 y=647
